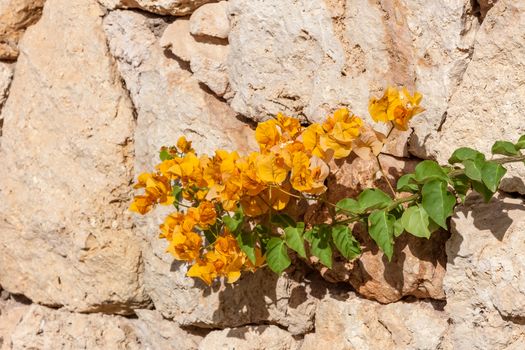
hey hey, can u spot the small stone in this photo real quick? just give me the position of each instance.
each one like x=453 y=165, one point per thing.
x=211 y=20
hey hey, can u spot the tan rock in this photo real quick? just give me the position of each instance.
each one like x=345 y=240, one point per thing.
x=44 y=328
x=486 y=106
x=211 y=20
x=344 y=323
x=485 y=6
x=207 y=57
x=15 y=17
x=67 y=165
x=309 y=57
x=11 y=312
x=249 y=338
x=160 y=7
x=484 y=283
x=6 y=74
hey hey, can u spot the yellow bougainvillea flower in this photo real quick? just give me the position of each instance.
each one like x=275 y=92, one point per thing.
x=395 y=106
x=290 y=127
x=278 y=197
x=253 y=206
x=267 y=134
x=250 y=183
x=311 y=138
x=171 y=222
x=206 y=214
x=157 y=190
x=308 y=174
x=185 y=167
x=185 y=246
x=341 y=130
x=369 y=143
x=142 y=204
x=203 y=269
x=271 y=168
x=184 y=146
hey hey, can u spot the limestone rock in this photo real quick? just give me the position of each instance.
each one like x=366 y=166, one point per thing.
x=11 y=312
x=66 y=168
x=160 y=7
x=484 y=283
x=352 y=323
x=249 y=338
x=6 y=74
x=44 y=328
x=15 y=17
x=309 y=57
x=488 y=105
x=211 y=20
x=485 y=6
x=206 y=57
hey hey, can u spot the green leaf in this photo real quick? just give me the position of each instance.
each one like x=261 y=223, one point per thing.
x=373 y=199
x=277 y=255
x=438 y=202
x=348 y=205
x=406 y=183
x=347 y=245
x=461 y=184
x=209 y=235
x=398 y=228
x=521 y=143
x=177 y=193
x=247 y=242
x=473 y=168
x=465 y=153
x=283 y=220
x=319 y=238
x=504 y=147
x=381 y=229
x=415 y=221
x=491 y=175
x=483 y=190
x=234 y=223
x=429 y=170
x=293 y=237
x=164 y=155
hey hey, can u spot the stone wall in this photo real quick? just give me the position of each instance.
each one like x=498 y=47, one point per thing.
x=90 y=90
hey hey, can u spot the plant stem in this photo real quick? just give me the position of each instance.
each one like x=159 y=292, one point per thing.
x=385 y=177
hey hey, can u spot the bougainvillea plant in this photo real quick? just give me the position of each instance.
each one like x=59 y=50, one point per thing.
x=230 y=209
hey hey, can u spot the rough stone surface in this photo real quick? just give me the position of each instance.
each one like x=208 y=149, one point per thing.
x=44 y=328
x=160 y=7
x=66 y=155
x=485 y=284
x=206 y=58
x=488 y=105
x=352 y=323
x=309 y=57
x=249 y=338
x=11 y=312
x=485 y=6
x=6 y=74
x=15 y=17
x=211 y=20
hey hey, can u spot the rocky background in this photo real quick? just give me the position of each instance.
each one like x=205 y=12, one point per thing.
x=90 y=90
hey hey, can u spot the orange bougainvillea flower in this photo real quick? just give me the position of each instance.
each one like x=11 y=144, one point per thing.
x=184 y=146
x=185 y=246
x=395 y=106
x=341 y=130
x=267 y=134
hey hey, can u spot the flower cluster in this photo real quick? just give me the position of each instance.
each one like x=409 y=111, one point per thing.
x=221 y=198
